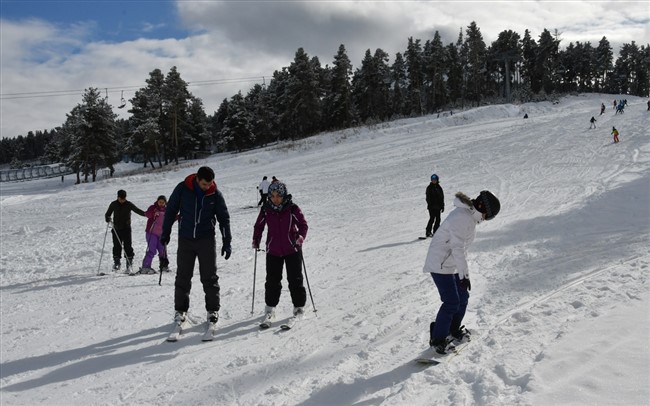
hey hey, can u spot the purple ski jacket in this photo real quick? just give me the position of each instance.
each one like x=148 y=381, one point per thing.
x=284 y=228
x=155 y=216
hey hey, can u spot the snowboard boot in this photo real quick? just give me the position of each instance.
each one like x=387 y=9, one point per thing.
x=442 y=345
x=461 y=335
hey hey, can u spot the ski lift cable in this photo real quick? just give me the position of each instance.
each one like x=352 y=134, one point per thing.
x=72 y=92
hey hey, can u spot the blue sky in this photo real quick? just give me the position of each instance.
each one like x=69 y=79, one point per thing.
x=222 y=47
x=113 y=21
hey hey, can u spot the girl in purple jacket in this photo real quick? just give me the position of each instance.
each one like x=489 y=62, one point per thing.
x=155 y=215
x=287 y=230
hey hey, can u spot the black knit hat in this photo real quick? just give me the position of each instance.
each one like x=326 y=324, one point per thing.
x=121 y=193
x=488 y=204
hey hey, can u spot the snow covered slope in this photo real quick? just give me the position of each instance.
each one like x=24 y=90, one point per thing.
x=560 y=295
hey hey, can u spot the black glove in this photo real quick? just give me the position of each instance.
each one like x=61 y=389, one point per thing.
x=164 y=240
x=466 y=283
x=226 y=250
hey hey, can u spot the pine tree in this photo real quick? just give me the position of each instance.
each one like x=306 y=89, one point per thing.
x=91 y=128
x=604 y=63
x=175 y=97
x=435 y=60
x=476 y=63
x=338 y=101
x=414 y=68
x=399 y=82
x=303 y=96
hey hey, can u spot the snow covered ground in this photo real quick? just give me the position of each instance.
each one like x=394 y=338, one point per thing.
x=560 y=300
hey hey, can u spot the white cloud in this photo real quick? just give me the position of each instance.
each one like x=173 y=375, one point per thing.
x=252 y=39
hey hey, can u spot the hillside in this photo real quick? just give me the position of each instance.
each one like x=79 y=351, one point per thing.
x=559 y=302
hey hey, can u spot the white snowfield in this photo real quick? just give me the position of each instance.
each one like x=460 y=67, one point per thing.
x=560 y=299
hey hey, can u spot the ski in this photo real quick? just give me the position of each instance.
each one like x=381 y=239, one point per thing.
x=289 y=324
x=424 y=238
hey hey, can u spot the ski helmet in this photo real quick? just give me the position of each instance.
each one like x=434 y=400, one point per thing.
x=434 y=177
x=488 y=204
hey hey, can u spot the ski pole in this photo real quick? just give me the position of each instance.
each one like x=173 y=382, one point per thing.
x=307 y=279
x=254 y=277
x=161 y=268
x=103 y=245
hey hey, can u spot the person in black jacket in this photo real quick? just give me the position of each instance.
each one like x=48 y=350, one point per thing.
x=121 y=210
x=200 y=205
x=435 y=204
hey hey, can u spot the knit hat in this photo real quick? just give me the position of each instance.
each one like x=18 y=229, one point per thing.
x=278 y=187
x=434 y=177
x=121 y=193
x=281 y=189
x=488 y=204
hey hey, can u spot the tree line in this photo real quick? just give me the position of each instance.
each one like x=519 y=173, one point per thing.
x=304 y=98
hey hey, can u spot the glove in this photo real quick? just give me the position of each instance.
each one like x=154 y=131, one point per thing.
x=226 y=250
x=299 y=241
x=256 y=245
x=465 y=283
x=164 y=240
x=443 y=210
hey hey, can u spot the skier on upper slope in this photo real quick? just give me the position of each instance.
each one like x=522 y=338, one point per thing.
x=447 y=263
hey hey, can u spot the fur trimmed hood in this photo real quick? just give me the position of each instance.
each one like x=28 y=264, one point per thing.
x=464 y=198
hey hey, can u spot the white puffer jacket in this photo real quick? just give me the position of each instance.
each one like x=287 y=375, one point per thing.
x=448 y=250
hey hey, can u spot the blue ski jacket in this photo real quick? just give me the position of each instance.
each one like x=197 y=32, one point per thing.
x=197 y=212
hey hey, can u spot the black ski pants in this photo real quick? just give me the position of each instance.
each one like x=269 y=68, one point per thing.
x=273 y=285
x=123 y=236
x=434 y=220
x=205 y=249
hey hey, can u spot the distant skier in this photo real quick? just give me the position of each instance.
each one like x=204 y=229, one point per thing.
x=615 y=104
x=287 y=230
x=264 y=190
x=155 y=215
x=648 y=105
x=615 y=134
x=593 y=123
x=121 y=210
x=526 y=115
x=447 y=263
x=602 y=108
x=435 y=205
x=620 y=108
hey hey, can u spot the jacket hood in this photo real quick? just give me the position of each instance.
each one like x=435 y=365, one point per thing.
x=189 y=183
x=464 y=202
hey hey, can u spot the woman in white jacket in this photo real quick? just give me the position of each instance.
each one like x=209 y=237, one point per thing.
x=447 y=263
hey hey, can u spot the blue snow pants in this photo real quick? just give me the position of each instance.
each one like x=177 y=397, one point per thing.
x=454 y=303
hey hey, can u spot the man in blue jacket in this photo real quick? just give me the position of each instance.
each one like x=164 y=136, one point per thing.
x=199 y=203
